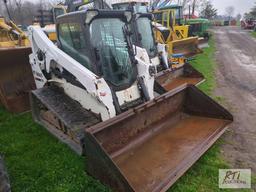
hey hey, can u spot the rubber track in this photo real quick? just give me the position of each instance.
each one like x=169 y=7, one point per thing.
x=68 y=111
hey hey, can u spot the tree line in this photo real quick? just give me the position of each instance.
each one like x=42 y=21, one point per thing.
x=23 y=12
x=251 y=14
x=203 y=8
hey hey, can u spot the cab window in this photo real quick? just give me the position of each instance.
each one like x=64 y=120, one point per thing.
x=165 y=19
x=73 y=43
x=158 y=17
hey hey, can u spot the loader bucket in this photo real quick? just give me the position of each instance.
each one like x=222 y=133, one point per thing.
x=171 y=79
x=148 y=148
x=16 y=79
x=187 y=46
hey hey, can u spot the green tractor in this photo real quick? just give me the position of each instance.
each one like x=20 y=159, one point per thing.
x=198 y=27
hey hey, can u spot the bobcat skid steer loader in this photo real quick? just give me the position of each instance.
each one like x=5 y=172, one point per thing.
x=169 y=76
x=97 y=98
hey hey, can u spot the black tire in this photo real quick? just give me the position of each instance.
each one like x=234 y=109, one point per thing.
x=4 y=179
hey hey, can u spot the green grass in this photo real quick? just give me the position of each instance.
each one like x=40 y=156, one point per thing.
x=253 y=34
x=38 y=162
x=205 y=63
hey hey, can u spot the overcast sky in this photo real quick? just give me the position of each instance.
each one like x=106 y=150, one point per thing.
x=241 y=6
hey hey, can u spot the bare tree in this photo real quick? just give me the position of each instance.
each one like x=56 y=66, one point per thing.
x=2 y=11
x=238 y=17
x=230 y=11
x=23 y=11
x=194 y=5
x=19 y=4
x=184 y=4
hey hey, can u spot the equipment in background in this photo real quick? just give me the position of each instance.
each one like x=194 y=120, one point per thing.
x=187 y=46
x=47 y=18
x=170 y=31
x=248 y=24
x=16 y=78
x=198 y=27
x=171 y=18
x=143 y=37
x=11 y=35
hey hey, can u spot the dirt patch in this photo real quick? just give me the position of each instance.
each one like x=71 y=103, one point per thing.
x=236 y=80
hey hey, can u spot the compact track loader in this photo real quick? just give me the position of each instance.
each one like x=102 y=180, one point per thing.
x=171 y=71
x=96 y=97
x=16 y=79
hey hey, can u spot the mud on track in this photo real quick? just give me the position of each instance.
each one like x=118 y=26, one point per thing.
x=236 y=78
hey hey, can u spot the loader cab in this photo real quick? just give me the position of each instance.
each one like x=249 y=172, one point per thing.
x=172 y=15
x=164 y=17
x=100 y=41
x=57 y=11
x=143 y=33
x=141 y=26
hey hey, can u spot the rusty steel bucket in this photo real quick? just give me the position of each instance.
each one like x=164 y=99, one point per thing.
x=188 y=46
x=16 y=79
x=171 y=79
x=148 y=148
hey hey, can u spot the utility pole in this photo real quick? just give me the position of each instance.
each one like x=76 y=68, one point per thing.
x=8 y=12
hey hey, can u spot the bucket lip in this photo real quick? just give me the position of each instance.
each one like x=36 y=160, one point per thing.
x=14 y=48
x=98 y=127
x=165 y=72
x=186 y=40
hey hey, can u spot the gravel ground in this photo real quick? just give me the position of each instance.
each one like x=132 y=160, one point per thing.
x=236 y=78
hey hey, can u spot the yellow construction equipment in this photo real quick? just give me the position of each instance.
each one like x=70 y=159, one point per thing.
x=16 y=78
x=170 y=18
x=11 y=35
x=167 y=31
